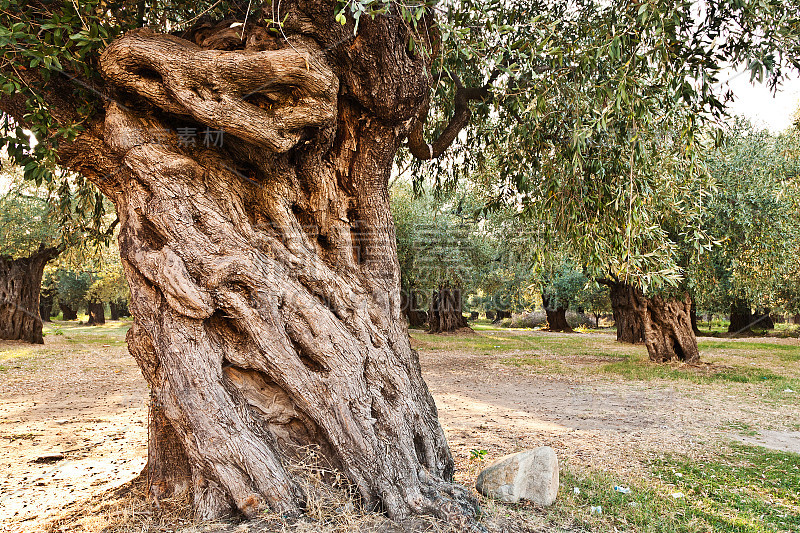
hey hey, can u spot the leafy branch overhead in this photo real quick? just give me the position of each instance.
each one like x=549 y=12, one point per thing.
x=589 y=115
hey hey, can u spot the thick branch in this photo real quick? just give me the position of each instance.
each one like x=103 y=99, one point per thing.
x=266 y=97
x=416 y=141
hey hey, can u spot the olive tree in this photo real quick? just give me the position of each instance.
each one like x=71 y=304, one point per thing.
x=29 y=238
x=247 y=148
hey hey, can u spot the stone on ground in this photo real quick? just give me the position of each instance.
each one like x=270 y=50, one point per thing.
x=531 y=475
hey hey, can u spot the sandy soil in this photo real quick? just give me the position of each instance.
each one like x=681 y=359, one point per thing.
x=91 y=407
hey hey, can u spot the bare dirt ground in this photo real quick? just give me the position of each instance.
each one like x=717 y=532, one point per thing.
x=88 y=402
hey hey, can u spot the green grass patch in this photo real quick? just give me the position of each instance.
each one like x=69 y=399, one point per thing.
x=785 y=352
x=644 y=370
x=112 y=332
x=504 y=340
x=742 y=428
x=747 y=489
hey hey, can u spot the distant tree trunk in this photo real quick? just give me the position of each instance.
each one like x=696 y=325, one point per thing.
x=415 y=316
x=693 y=316
x=113 y=310
x=67 y=312
x=556 y=316
x=499 y=314
x=20 y=284
x=741 y=317
x=46 y=299
x=763 y=320
x=473 y=315
x=628 y=316
x=97 y=313
x=596 y=320
x=445 y=311
x=797 y=318
x=664 y=324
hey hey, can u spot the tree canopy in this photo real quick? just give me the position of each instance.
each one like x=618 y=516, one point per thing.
x=590 y=114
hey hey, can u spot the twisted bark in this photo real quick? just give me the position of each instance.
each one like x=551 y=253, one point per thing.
x=445 y=311
x=663 y=324
x=556 y=316
x=20 y=284
x=263 y=274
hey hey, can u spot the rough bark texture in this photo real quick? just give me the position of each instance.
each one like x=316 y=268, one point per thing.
x=556 y=316
x=445 y=311
x=263 y=272
x=663 y=324
x=693 y=317
x=627 y=315
x=96 y=312
x=20 y=283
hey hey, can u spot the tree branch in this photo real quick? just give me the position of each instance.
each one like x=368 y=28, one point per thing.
x=416 y=140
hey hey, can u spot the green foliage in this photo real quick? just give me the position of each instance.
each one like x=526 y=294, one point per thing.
x=756 y=216
x=598 y=114
x=72 y=287
x=27 y=218
x=109 y=285
x=438 y=241
x=563 y=284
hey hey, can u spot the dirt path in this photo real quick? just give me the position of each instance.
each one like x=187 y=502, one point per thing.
x=90 y=407
x=88 y=402
x=605 y=422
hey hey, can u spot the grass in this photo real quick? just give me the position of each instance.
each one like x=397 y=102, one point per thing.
x=501 y=341
x=741 y=489
x=571 y=353
x=63 y=339
x=786 y=352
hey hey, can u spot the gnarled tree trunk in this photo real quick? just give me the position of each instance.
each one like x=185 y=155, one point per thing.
x=445 y=311
x=764 y=320
x=410 y=304
x=20 y=283
x=96 y=312
x=628 y=315
x=693 y=318
x=262 y=263
x=556 y=316
x=46 y=300
x=663 y=324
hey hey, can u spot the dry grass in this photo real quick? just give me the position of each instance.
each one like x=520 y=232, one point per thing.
x=332 y=506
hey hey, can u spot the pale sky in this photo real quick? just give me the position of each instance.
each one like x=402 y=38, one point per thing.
x=756 y=102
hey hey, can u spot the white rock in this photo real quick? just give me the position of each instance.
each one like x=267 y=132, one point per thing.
x=531 y=475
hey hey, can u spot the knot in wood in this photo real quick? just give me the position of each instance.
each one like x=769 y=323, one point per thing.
x=269 y=97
